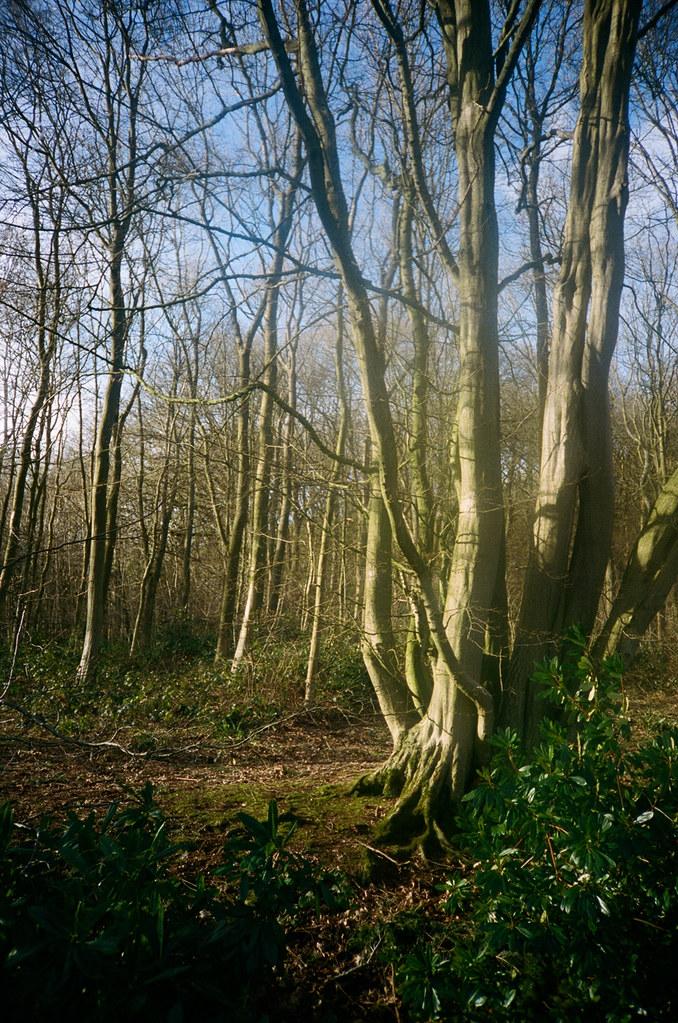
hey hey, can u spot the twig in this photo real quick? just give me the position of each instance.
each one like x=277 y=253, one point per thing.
x=649 y=923
x=553 y=858
x=147 y=754
x=378 y=852
x=352 y=969
x=263 y=728
x=14 y=655
x=82 y=743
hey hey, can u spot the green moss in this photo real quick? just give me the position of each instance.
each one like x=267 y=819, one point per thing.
x=334 y=825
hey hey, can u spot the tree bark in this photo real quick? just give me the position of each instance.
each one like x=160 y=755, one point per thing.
x=651 y=572
x=164 y=504
x=46 y=339
x=573 y=517
x=378 y=645
x=282 y=539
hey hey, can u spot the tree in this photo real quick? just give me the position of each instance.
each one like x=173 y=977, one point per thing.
x=357 y=150
x=572 y=530
x=124 y=33
x=163 y=507
x=260 y=499
x=434 y=762
x=37 y=181
x=327 y=523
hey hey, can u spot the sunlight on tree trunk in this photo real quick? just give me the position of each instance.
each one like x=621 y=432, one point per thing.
x=651 y=572
x=573 y=518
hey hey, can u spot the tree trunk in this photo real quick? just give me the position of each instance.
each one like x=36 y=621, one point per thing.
x=378 y=642
x=328 y=519
x=282 y=538
x=192 y=370
x=25 y=464
x=164 y=503
x=121 y=89
x=651 y=572
x=260 y=500
x=47 y=333
x=143 y=625
x=461 y=709
x=440 y=752
x=417 y=670
x=99 y=544
x=225 y=639
x=573 y=519
x=47 y=561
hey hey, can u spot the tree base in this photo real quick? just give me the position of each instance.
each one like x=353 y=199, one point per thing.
x=428 y=781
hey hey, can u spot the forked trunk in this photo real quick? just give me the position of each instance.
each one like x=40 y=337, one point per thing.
x=573 y=518
x=444 y=744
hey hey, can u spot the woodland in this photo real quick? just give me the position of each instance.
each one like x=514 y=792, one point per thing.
x=339 y=509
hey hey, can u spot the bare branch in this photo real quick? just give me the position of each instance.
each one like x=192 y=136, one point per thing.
x=549 y=259
x=642 y=32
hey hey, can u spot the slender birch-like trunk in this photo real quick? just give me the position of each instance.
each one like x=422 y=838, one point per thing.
x=328 y=518
x=260 y=500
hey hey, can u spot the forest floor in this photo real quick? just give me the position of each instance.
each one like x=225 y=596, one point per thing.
x=338 y=966
x=307 y=762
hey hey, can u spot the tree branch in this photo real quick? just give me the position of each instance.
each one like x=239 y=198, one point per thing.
x=642 y=32
x=549 y=260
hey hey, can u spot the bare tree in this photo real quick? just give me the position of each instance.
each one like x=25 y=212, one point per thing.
x=436 y=757
x=575 y=504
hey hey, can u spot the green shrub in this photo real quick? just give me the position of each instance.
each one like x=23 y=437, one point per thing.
x=345 y=675
x=572 y=897
x=273 y=885
x=178 y=639
x=95 y=924
x=245 y=717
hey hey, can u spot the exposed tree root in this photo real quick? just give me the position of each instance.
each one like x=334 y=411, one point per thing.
x=428 y=782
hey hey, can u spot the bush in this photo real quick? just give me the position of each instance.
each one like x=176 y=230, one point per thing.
x=95 y=925
x=344 y=676
x=273 y=885
x=571 y=902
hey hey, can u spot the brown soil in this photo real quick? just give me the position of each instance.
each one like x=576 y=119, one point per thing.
x=41 y=774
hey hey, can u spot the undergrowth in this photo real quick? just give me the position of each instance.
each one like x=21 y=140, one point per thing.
x=177 y=684
x=568 y=906
x=95 y=924
x=563 y=905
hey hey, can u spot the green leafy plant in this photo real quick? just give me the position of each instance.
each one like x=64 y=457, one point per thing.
x=571 y=900
x=244 y=718
x=93 y=914
x=93 y=917
x=273 y=885
x=423 y=982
